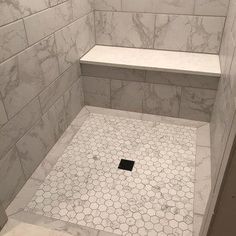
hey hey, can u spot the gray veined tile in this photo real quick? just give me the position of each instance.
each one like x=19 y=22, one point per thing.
x=14 y=10
x=96 y=91
x=3 y=115
x=74 y=101
x=188 y=33
x=197 y=224
x=58 y=87
x=209 y=7
x=12 y=39
x=111 y=5
x=159 y=6
x=26 y=75
x=197 y=104
x=47 y=22
x=35 y=144
x=203 y=136
x=127 y=95
x=124 y=29
x=56 y=2
x=82 y=7
x=15 y=128
x=11 y=176
x=74 y=41
x=162 y=100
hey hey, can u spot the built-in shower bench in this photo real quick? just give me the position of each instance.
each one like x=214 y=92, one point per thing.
x=179 y=84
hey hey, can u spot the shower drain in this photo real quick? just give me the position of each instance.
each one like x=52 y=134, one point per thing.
x=126 y=165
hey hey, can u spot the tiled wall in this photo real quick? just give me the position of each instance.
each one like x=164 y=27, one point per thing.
x=40 y=85
x=182 y=25
x=152 y=92
x=225 y=106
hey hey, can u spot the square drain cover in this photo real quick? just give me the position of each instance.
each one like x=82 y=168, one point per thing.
x=126 y=165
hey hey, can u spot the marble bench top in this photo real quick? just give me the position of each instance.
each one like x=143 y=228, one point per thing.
x=158 y=60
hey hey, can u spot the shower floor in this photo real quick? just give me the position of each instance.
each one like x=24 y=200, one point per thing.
x=87 y=188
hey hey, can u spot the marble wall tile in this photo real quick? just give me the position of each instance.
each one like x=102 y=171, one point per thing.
x=3 y=115
x=232 y=75
x=75 y=40
x=197 y=104
x=56 y=2
x=11 y=176
x=127 y=95
x=161 y=100
x=14 y=10
x=81 y=7
x=159 y=6
x=24 y=76
x=105 y=5
x=74 y=101
x=47 y=22
x=124 y=29
x=188 y=33
x=12 y=39
x=58 y=87
x=14 y=129
x=35 y=144
x=113 y=72
x=96 y=91
x=184 y=80
x=211 y=7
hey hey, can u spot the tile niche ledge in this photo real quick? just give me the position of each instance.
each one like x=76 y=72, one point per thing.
x=154 y=60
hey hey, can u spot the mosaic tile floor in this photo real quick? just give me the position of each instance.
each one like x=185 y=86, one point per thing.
x=86 y=187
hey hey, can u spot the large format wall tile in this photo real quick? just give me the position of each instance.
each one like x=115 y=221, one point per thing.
x=34 y=145
x=75 y=40
x=159 y=6
x=81 y=7
x=12 y=39
x=188 y=33
x=74 y=101
x=211 y=7
x=24 y=76
x=124 y=29
x=47 y=22
x=3 y=115
x=49 y=96
x=127 y=95
x=111 y=5
x=161 y=99
x=113 y=72
x=13 y=10
x=56 y=2
x=96 y=91
x=197 y=103
x=18 y=126
x=11 y=177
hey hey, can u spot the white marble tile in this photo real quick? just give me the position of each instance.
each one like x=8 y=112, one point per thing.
x=203 y=136
x=74 y=41
x=190 y=63
x=47 y=22
x=56 y=2
x=188 y=33
x=14 y=129
x=34 y=145
x=161 y=99
x=209 y=7
x=12 y=39
x=23 y=197
x=197 y=104
x=124 y=29
x=11 y=176
x=26 y=75
x=81 y=7
x=98 y=205
x=3 y=115
x=159 y=6
x=58 y=87
x=111 y=5
x=197 y=223
x=11 y=11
